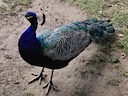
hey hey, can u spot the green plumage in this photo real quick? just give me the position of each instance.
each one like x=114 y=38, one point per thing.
x=68 y=41
x=99 y=28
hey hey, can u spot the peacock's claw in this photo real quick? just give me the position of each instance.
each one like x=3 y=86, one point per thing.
x=39 y=77
x=49 y=86
x=43 y=75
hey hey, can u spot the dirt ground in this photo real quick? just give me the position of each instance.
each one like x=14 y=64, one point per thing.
x=73 y=80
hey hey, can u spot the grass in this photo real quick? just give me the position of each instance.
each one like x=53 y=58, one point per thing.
x=113 y=60
x=115 y=10
x=16 y=2
x=11 y=5
x=27 y=94
x=114 y=82
x=80 y=92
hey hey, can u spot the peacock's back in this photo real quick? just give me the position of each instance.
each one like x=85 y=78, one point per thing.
x=65 y=42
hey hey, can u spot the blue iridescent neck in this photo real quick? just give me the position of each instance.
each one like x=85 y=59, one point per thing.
x=32 y=28
x=30 y=33
x=34 y=25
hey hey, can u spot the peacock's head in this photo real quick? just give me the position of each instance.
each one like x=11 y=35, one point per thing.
x=31 y=17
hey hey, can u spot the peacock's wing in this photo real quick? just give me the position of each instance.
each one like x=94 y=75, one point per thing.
x=41 y=36
x=65 y=45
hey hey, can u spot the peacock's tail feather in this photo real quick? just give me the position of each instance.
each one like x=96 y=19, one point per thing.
x=99 y=29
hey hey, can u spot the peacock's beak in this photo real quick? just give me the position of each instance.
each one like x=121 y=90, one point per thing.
x=23 y=14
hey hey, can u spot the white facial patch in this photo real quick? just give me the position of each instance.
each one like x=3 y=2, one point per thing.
x=29 y=17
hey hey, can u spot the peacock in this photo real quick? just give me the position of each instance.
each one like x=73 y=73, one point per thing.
x=55 y=48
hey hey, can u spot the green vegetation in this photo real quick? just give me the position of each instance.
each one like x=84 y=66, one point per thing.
x=80 y=92
x=16 y=2
x=96 y=59
x=113 y=60
x=114 y=82
x=27 y=94
x=10 y=6
x=115 y=10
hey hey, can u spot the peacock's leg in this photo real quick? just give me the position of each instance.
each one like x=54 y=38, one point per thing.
x=50 y=85
x=39 y=77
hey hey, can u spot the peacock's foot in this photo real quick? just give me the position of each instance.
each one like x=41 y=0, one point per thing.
x=39 y=77
x=49 y=86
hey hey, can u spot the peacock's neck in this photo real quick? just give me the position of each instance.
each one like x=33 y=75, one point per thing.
x=29 y=36
x=33 y=27
x=31 y=30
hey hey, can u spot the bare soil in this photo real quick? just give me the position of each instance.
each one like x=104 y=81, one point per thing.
x=77 y=79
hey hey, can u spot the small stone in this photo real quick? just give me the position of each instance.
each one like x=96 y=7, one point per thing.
x=100 y=12
x=3 y=49
x=17 y=82
x=7 y=57
x=120 y=35
x=83 y=60
x=123 y=55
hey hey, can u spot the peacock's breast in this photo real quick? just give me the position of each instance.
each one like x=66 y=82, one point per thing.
x=30 y=49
